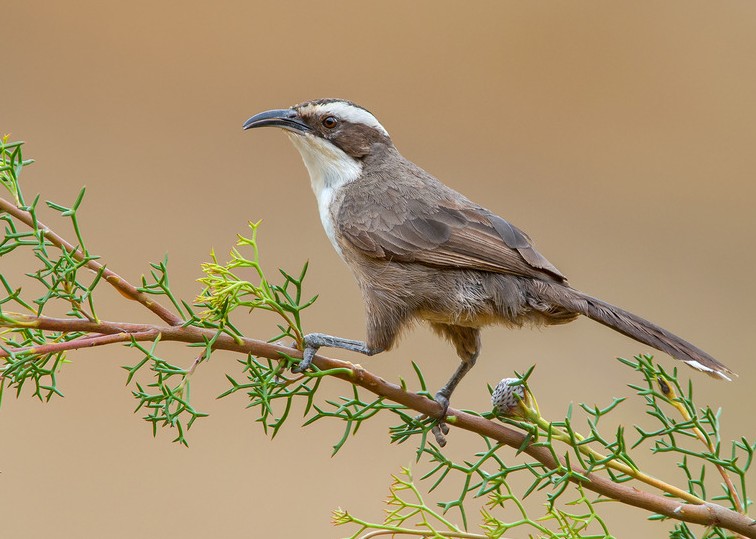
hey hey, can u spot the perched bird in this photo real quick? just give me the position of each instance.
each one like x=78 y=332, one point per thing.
x=422 y=251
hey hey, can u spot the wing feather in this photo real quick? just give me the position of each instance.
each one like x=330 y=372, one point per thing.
x=433 y=225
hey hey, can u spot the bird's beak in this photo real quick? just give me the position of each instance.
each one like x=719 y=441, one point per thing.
x=284 y=118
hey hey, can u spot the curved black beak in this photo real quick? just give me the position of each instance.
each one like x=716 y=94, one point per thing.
x=284 y=118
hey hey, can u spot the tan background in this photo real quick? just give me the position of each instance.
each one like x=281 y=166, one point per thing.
x=620 y=136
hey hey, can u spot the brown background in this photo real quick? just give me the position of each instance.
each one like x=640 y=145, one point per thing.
x=620 y=136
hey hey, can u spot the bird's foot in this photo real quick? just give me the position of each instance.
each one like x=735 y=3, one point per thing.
x=441 y=429
x=311 y=346
x=313 y=342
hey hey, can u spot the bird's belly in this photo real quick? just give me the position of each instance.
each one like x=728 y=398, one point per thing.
x=473 y=299
x=475 y=319
x=459 y=297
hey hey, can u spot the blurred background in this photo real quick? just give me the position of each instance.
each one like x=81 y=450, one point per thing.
x=620 y=136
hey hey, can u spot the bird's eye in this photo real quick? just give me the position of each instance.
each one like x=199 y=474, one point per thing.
x=329 y=122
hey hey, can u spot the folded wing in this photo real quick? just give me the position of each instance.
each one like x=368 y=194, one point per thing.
x=446 y=231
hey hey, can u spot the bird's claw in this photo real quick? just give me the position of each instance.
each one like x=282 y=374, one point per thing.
x=441 y=429
x=308 y=354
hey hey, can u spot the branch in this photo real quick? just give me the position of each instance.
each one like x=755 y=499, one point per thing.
x=87 y=341
x=706 y=514
x=126 y=289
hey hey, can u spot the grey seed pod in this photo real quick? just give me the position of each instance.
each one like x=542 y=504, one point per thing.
x=503 y=397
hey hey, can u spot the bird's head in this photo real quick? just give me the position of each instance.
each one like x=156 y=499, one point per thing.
x=327 y=125
x=335 y=138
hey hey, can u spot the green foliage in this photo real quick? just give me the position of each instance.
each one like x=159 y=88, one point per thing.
x=159 y=285
x=353 y=411
x=168 y=405
x=11 y=164
x=408 y=514
x=225 y=291
x=26 y=362
x=271 y=392
x=28 y=359
x=663 y=391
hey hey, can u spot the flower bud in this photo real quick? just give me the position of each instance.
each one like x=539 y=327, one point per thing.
x=505 y=398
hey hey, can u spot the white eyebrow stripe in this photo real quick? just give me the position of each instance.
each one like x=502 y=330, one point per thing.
x=347 y=112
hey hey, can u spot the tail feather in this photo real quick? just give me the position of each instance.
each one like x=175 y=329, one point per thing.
x=628 y=324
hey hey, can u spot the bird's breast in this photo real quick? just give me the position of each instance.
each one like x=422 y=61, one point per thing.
x=330 y=169
x=325 y=198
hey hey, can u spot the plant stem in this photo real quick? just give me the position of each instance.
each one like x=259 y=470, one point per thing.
x=701 y=436
x=563 y=436
x=390 y=530
x=126 y=289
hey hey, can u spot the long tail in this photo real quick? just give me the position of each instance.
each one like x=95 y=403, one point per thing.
x=627 y=323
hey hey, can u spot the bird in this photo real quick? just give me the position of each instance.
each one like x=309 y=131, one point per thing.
x=421 y=251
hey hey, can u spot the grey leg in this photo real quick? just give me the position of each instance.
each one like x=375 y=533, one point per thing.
x=313 y=342
x=444 y=394
x=467 y=342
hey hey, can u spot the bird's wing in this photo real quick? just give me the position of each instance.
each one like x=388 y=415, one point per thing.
x=439 y=231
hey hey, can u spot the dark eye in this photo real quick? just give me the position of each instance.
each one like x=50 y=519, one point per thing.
x=329 y=122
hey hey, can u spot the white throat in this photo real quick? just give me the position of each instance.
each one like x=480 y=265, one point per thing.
x=330 y=169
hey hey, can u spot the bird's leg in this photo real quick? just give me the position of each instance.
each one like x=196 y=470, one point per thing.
x=313 y=342
x=444 y=394
x=467 y=342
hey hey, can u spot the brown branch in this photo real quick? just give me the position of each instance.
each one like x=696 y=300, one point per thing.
x=78 y=344
x=707 y=514
x=126 y=289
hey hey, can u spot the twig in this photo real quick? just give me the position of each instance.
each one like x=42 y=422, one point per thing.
x=78 y=344
x=674 y=400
